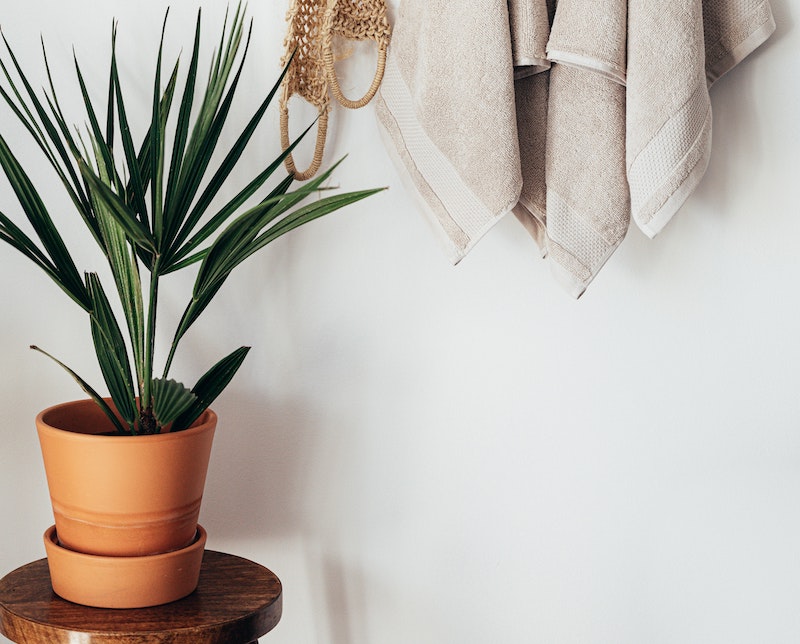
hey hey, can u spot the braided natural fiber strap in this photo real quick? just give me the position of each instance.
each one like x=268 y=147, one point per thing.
x=312 y=24
x=319 y=147
x=306 y=76
x=356 y=20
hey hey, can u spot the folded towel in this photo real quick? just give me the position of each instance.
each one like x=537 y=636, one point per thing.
x=530 y=31
x=608 y=117
x=588 y=202
x=669 y=109
x=447 y=106
x=532 y=96
x=590 y=35
x=587 y=192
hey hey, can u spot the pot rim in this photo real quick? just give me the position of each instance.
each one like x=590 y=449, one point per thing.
x=207 y=419
x=198 y=543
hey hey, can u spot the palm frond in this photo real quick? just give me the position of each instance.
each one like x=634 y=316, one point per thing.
x=111 y=352
x=210 y=385
x=87 y=388
x=62 y=264
x=125 y=270
x=170 y=400
x=108 y=178
x=220 y=177
x=205 y=136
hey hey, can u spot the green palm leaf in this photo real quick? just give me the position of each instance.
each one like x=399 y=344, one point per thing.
x=111 y=352
x=125 y=271
x=64 y=268
x=118 y=209
x=228 y=210
x=88 y=390
x=170 y=228
x=170 y=400
x=184 y=117
x=107 y=166
x=136 y=194
x=210 y=385
x=47 y=136
x=205 y=134
x=221 y=175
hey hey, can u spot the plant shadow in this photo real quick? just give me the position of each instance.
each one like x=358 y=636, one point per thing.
x=259 y=485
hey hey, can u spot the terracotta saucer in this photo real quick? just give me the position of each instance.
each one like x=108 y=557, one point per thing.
x=123 y=582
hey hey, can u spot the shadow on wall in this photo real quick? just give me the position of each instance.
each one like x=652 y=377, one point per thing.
x=783 y=20
x=260 y=483
x=338 y=596
x=345 y=598
x=259 y=474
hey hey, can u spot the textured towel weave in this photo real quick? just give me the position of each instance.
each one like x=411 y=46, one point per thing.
x=607 y=102
x=449 y=112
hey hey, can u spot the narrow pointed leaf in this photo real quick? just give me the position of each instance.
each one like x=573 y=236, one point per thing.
x=48 y=140
x=210 y=385
x=229 y=209
x=199 y=256
x=244 y=229
x=157 y=147
x=182 y=127
x=111 y=352
x=88 y=390
x=207 y=130
x=145 y=151
x=290 y=222
x=136 y=189
x=97 y=134
x=15 y=237
x=125 y=270
x=307 y=214
x=35 y=211
x=119 y=209
x=227 y=166
x=110 y=100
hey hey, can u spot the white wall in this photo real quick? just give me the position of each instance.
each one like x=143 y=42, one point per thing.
x=442 y=455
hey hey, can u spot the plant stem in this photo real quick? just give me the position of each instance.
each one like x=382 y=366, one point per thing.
x=146 y=402
x=169 y=360
x=171 y=355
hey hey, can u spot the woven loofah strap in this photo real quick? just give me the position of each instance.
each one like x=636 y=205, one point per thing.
x=370 y=93
x=319 y=147
x=303 y=44
x=309 y=45
x=355 y=20
x=305 y=77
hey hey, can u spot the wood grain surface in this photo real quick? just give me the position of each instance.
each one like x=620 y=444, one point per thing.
x=236 y=602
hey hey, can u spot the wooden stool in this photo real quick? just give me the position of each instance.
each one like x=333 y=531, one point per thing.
x=236 y=602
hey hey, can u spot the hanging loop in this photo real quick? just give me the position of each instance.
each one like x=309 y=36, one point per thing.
x=334 y=82
x=319 y=147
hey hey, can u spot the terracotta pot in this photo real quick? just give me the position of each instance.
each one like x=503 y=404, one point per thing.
x=118 y=495
x=124 y=582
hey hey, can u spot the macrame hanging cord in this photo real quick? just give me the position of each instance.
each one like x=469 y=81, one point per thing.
x=312 y=26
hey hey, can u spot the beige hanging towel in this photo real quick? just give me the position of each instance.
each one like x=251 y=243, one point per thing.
x=447 y=106
x=669 y=110
x=610 y=107
x=587 y=198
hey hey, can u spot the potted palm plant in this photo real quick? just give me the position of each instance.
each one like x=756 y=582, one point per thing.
x=126 y=471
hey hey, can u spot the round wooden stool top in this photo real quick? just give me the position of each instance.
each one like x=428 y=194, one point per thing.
x=236 y=602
